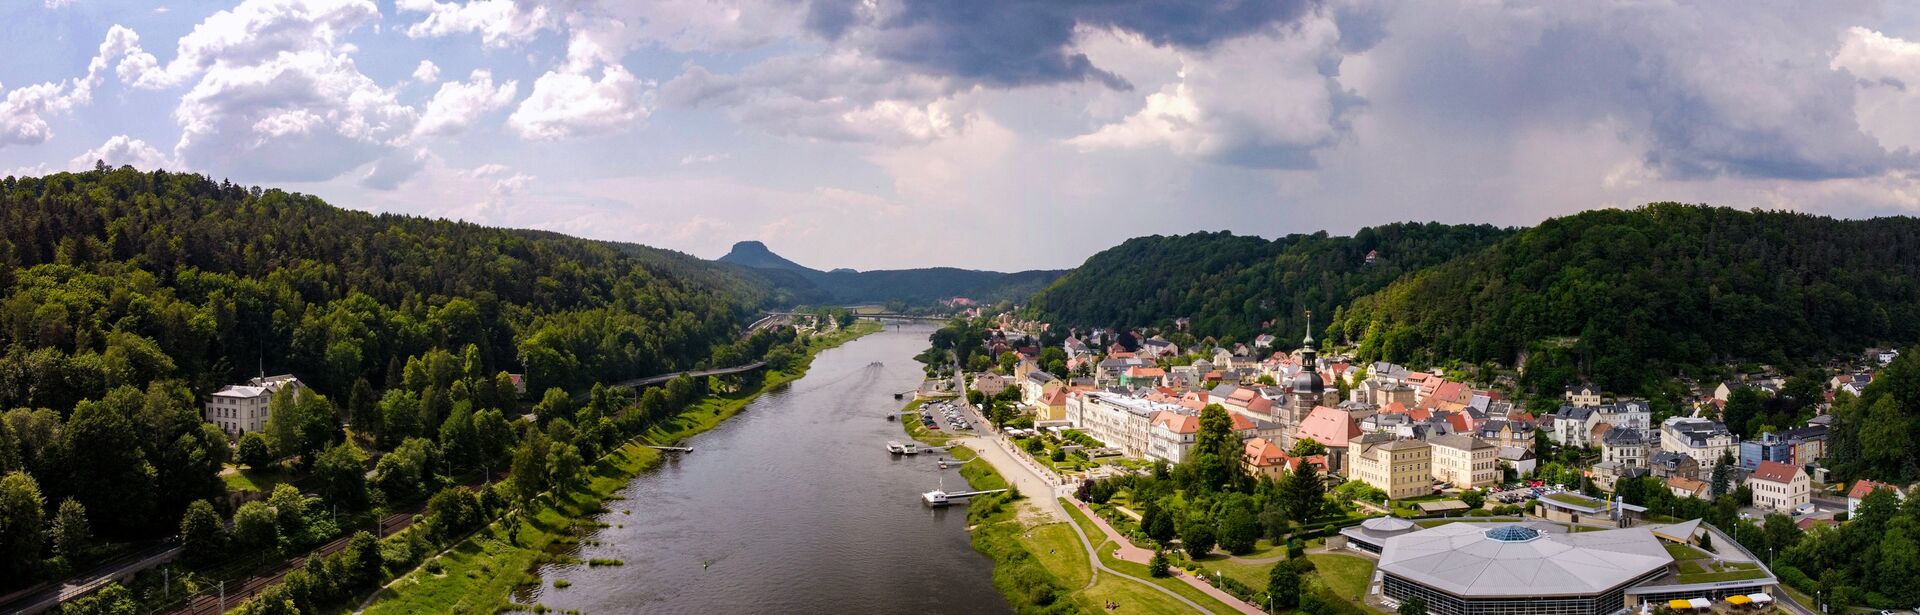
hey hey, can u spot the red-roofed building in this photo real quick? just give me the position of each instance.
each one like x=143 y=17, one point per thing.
x=1170 y=435
x=1779 y=487
x=1144 y=376
x=1860 y=491
x=1266 y=458
x=1332 y=428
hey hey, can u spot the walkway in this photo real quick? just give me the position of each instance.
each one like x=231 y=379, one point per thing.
x=1130 y=553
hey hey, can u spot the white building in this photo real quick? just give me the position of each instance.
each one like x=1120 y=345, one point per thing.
x=1119 y=421
x=1464 y=461
x=242 y=408
x=1779 y=487
x=1703 y=440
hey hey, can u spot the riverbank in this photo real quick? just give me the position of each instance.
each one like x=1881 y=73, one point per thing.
x=479 y=574
x=1041 y=564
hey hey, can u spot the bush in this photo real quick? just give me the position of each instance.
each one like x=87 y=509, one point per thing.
x=1158 y=566
x=254 y=452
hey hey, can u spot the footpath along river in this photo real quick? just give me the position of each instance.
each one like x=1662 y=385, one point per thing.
x=793 y=506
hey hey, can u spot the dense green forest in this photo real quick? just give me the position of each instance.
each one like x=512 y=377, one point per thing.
x=126 y=297
x=1238 y=287
x=1624 y=297
x=795 y=283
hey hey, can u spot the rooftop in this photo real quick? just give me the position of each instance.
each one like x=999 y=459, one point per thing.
x=1471 y=559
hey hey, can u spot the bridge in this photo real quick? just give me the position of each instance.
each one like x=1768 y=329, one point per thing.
x=653 y=380
x=873 y=315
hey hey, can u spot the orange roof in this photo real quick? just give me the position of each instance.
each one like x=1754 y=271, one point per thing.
x=1459 y=421
x=1263 y=452
x=1146 y=372
x=1057 y=398
x=1775 y=472
x=1241 y=423
x=1862 y=488
x=1177 y=422
x=1243 y=394
x=1394 y=408
x=1120 y=355
x=1328 y=426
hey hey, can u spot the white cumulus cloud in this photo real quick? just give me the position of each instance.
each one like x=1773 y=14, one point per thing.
x=426 y=72
x=565 y=103
x=459 y=104
x=123 y=150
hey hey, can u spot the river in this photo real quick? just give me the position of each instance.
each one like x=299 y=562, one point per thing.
x=793 y=506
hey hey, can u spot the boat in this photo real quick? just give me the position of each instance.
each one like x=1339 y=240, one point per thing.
x=910 y=448
x=893 y=446
x=935 y=498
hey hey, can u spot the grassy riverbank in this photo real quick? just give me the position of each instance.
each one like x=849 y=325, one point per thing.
x=478 y=574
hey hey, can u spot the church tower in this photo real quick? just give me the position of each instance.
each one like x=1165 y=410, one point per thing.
x=1308 y=388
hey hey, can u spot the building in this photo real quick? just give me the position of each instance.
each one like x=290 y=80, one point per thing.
x=1575 y=425
x=1585 y=395
x=1571 y=507
x=1464 y=461
x=1119 y=421
x=1669 y=464
x=1171 y=436
x=1863 y=488
x=1703 y=440
x=1264 y=457
x=1625 y=446
x=1371 y=535
x=989 y=383
x=1309 y=389
x=1520 y=568
x=1767 y=447
x=1401 y=468
x=1521 y=459
x=1331 y=428
x=243 y=408
x=1779 y=487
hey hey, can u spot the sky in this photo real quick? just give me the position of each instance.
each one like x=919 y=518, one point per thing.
x=1009 y=135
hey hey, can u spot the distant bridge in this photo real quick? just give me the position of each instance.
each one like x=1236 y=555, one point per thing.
x=873 y=315
x=653 y=380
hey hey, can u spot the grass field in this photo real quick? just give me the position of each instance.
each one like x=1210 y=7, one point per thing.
x=1703 y=571
x=1684 y=552
x=262 y=481
x=1346 y=575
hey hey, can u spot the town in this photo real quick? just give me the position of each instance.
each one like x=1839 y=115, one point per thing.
x=1461 y=497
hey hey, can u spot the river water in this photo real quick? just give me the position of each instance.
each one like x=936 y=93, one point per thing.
x=792 y=506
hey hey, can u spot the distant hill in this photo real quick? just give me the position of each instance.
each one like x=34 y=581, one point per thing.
x=755 y=254
x=1237 y=287
x=801 y=284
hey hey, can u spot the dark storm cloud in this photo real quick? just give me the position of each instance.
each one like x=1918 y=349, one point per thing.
x=1005 y=44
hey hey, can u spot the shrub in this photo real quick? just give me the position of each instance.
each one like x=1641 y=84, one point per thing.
x=1158 y=566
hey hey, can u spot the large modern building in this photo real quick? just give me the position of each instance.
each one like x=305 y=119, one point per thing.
x=242 y=408
x=1520 y=568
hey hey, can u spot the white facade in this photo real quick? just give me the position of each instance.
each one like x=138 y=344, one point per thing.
x=1121 y=422
x=1703 y=440
x=239 y=409
x=1779 y=487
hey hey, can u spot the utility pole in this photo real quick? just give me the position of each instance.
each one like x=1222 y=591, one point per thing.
x=223 y=596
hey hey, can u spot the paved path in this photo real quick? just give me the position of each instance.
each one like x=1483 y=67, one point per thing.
x=1130 y=553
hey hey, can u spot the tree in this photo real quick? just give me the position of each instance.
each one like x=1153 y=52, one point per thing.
x=1473 y=498
x=1158 y=567
x=1284 y=582
x=289 y=511
x=1780 y=532
x=341 y=476
x=72 y=538
x=1197 y=537
x=1303 y=493
x=1413 y=606
x=399 y=416
x=529 y=474
x=255 y=526
x=1722 y=475
x=1307 y=447
x=1743 y=407
x=1217 y=452
x=20 y=519
x=1899 y=565
x=363 y=408
x=1239 y=530
x=254 y=452
x=564 y=470
x=116 y=475
x=202 y=535
x=1156 y=522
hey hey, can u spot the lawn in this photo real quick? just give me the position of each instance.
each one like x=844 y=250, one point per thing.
x=1576 y=499
x=249 y=479
x=920 y=433
x=1684 y=552
x=1701 y=571
x=1347 y=575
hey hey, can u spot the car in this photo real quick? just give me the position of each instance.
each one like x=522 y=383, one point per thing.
x=1805 y=509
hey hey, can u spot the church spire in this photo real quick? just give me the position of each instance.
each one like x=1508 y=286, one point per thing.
x=1308 y=342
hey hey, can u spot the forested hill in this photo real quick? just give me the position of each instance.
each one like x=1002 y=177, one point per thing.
x=1230 y=285
x=1621 y=296
x=796 y=283
x=124 y=277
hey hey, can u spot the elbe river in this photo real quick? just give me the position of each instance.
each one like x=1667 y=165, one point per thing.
x=792 y=506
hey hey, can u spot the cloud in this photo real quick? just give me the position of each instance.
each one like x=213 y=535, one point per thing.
x=1269 y=99
x=123 y=150
x=276 y=94
x=691 y=159
x=1887 y=84
x=23 y=112
x=389 y=172
x=426 y=72
x=459 y=104
x=500 y=23
x=569 y=102
x=842 y=96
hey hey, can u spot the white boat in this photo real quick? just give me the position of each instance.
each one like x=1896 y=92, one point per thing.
x=934 y=498
x=910 y=448
x=893 y=446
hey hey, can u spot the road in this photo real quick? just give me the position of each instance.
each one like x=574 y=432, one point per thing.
x=81 y=585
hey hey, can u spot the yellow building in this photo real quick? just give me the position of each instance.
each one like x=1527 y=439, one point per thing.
x=1464 y=461
x=1402 y=468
